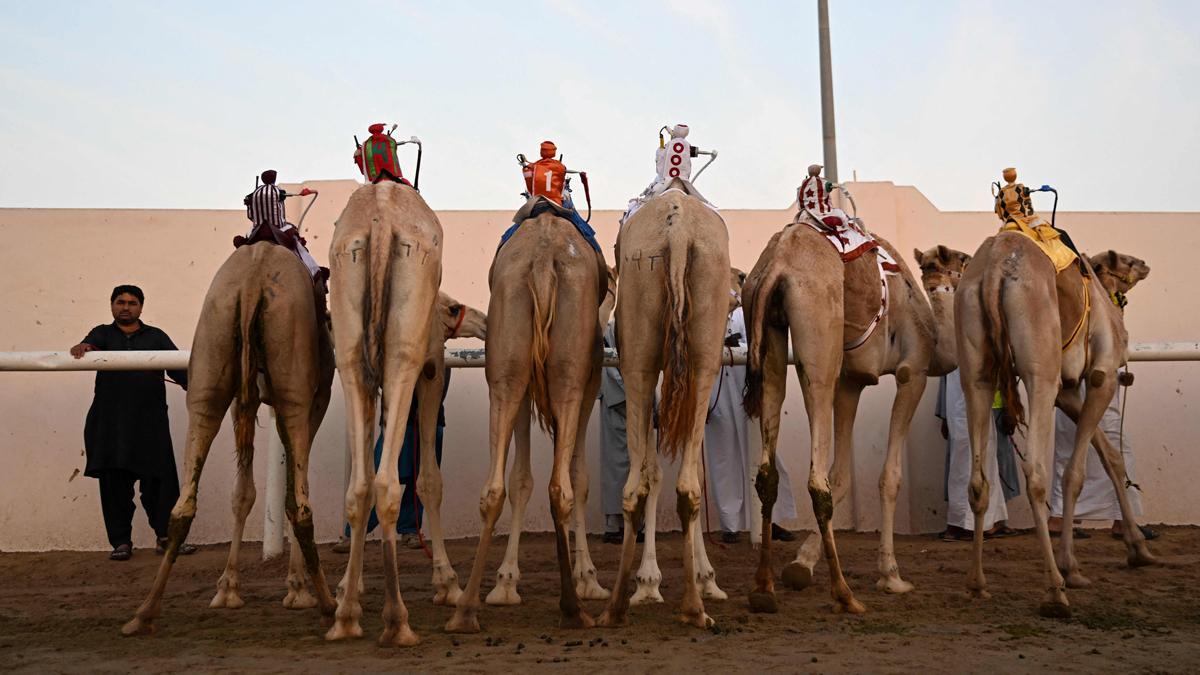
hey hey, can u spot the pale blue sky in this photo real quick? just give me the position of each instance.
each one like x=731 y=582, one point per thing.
x=179 y=105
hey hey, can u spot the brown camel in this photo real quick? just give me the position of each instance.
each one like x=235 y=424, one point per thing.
x=1017 y=318
x=673 y=265
x=911 y=342
x=261 y=315
x=543 y=342
x=520 y=487
x=798 y=278
x=386 y=260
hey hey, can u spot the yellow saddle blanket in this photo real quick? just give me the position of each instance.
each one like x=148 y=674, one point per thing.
x=1046 y=237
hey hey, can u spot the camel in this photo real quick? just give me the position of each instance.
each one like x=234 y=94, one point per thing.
x=797 y=285
x=912 y=341
x=672 y=262
x=261 y=314
x=543 y=342
x=386 y=259
x=520 y=487
x=1016 y=317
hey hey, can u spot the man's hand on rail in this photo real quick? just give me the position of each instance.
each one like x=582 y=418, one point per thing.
x=82 y=348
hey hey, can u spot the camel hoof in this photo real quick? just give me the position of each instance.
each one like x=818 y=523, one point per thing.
x=226 y=598
x=797 y=576
x=894 y=585
x=699 y=620
x=138 y=626
x=580 y=620
x=591 y=590
x=646 y=595
x=401 y=636
x=709 y=590
x=1077 y=580
x=979 y=593
x=1141 y=557
x=301 y=599
x=611 y=620
x=344 y=630
x=763 y=602
x=448 y=597
x=851 y=606
x=1055 y=610
x=462 y=623
x=504 y=595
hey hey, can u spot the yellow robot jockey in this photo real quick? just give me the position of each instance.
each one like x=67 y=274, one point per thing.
x=1015 y=210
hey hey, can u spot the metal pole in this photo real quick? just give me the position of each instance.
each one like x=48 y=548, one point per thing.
x=827 y=130
x=274 y=516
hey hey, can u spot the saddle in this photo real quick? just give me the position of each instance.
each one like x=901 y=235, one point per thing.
x=539 y=204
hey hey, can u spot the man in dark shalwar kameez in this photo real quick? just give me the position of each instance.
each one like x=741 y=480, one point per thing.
x=126 y=435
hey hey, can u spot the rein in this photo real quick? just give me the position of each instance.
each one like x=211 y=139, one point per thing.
x=462 y=314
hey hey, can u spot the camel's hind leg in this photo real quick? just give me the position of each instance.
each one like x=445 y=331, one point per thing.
x=297 y=596
x=429 y=483
x=243 y=500
x=520 y=487
x=798 y=574
x=587 y=586
x=908 y=396
x=565 y=394
x=1090 y=411
x=706 y=575
x=766 y=482
x=207 y=403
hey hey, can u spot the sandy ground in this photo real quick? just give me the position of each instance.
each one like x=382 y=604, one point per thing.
x=61 y=611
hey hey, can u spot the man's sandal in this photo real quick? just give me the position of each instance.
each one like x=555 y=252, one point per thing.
x=122 y=552
x=160 y=547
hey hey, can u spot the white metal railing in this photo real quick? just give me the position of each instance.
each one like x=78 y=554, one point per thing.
x=274 y=519
x=455 y=358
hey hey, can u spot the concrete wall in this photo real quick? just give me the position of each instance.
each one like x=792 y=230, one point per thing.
x=59 y=266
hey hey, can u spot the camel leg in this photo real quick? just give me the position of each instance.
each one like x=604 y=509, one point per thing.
x=506 y=395
x=908 y=395
x=292 y=423
x=243 y=500
x=1138 y=553
x=360 y=418
x=297 y=596
x=648 y=576
x=403 y=363
x=1090 y=411
x=766 y=482
x=818 y=365
x=562 y=498
x=586 y=584
x=205 y=412
x=798 y=574
x=641 y=489
x=520 y=487
x=687 y=504
x=429 y=487
x=978 y=395
x=1041 y=394
x=706 y=576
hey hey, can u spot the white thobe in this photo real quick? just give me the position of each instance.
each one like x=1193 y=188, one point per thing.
x=732 y=455
x=959 y=513
x=1098 y=499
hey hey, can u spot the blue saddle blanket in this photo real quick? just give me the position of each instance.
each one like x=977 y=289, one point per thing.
x=567 y=211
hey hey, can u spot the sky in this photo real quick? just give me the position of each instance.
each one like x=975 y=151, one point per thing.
x=179 y=105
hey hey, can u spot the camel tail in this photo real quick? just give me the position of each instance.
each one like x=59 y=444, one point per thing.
x=249 y=341
x=756 y=326
x=376 y=292
x=997 y=330
x=679 y=401
x=543 y=289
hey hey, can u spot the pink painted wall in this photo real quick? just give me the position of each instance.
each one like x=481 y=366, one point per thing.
x=61 y=264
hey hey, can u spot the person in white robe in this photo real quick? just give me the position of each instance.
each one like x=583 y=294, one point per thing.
x=733 y=449
x=614 y=446
x=960 y=519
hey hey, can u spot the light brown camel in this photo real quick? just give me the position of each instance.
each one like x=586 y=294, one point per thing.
x=911 y=341
x=386 y=261
x=543 y=342
x=1017 y=318
x=673 y=265
x=520 y=487
x=797 y=286
x=261 y=315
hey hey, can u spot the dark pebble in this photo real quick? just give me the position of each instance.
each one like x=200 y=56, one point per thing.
x=1020 y=656
x=814 y=659
x=520 y=645
x=448 y=654
x=573 y=643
